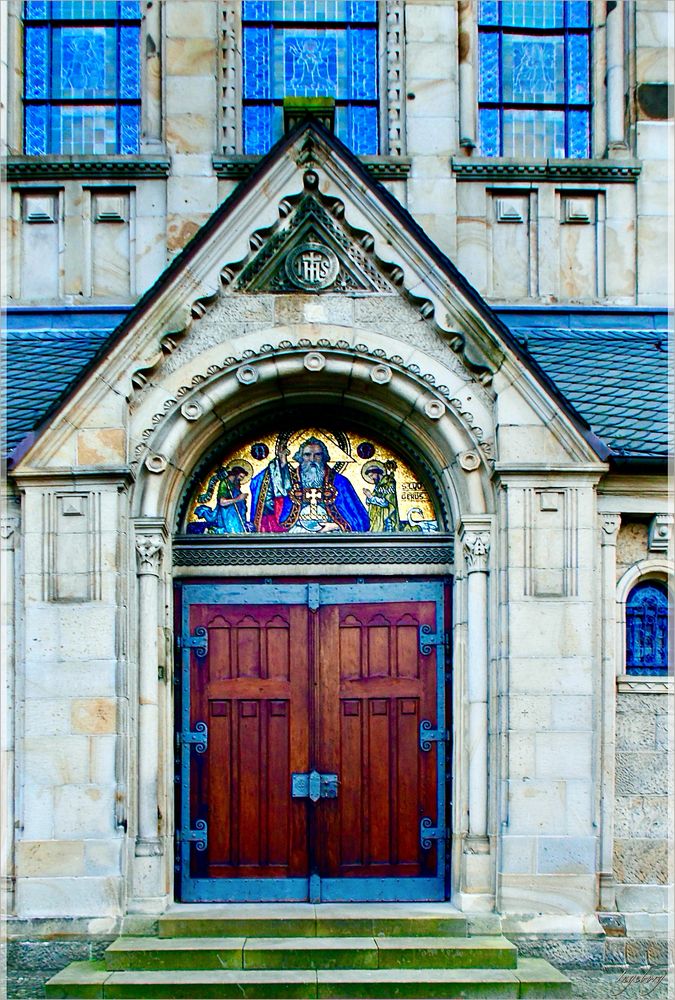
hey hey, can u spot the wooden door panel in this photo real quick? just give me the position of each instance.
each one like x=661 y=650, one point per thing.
x=375 y=688
x=252 y=687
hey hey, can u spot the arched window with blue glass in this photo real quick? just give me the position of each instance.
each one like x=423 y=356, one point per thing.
x=647 y=628
x=310 y=48
x=534 y=90
x=82 y=76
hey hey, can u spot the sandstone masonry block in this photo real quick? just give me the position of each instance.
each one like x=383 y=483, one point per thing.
x=641 y=861
x=641 y=773
x=50 y=857
x=645 y=816
x=93 y=715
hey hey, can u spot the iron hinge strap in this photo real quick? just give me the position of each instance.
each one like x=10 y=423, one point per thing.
x=429 y=832
x=199 y=836
x=428 y=639
x=429 y=735
x=198 y=737
x=199 y=641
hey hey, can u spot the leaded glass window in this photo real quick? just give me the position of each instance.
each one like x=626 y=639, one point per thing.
x=534 y=97
x=310 y=48
x=81 y=76
x=647 y=629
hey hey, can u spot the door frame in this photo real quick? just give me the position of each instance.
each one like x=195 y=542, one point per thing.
x=313 y=594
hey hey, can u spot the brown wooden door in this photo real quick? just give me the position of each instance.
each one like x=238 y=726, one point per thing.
x=375 y=688
x=298 y=683
x=252 y=691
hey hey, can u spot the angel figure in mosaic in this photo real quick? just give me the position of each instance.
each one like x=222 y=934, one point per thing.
x=228 y=517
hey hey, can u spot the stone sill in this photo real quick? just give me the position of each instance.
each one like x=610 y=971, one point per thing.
x=498 y=169
x=382 y=168
x=636 y=684
x=29 y=168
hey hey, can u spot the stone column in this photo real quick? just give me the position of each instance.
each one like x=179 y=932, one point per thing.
x=152 y=77
x=609 y=524
x=8 y=526
x=476 y=551
x=466 y=41
x=150 y=541
x=615 y=75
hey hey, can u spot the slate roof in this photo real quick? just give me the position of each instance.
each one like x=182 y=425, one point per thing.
x=44 y=352
x=612 y=366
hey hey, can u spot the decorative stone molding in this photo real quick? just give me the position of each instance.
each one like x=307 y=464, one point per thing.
x=381 y=374
x=29 y=168
x=149 y=550
x=149 y=847
x=627 y=683
x=247 y=375
x=313 y=552
x=156 y=464
x=8 y=526
x=237 y=167
x=660 y=532
x=610 y=528
x=434 y=409
x=490 y=169
x=469 y=461
x=191 y=410
x=342 y=347
x=314 y=361
x=476 y=551
x=395 y=68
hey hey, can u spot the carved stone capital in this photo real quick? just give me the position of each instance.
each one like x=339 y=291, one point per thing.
x=610 y=524
x=476 y=546
x=8 y=526
x=660 y=532
x=149 y=549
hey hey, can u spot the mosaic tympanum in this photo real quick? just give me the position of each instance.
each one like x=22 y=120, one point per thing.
x=310 y=481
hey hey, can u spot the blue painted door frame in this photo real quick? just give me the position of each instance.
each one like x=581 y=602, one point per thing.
x=192 y=832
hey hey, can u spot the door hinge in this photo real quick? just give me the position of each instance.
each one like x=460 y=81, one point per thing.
x=199 y=836
x=429 y=639
x=199 y=641
x=429 y=832
x=428 y=735
x=199 y=737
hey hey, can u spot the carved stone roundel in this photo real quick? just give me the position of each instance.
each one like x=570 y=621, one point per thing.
x=312 y=266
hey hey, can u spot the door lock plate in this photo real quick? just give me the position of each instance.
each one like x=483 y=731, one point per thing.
x=314 y=786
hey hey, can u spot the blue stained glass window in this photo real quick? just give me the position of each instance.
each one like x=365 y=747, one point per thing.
x=534 y=78
x=310 y=48
x=647 y=629
x=82 y=76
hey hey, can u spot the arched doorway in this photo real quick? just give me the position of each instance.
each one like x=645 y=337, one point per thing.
x=312 y=717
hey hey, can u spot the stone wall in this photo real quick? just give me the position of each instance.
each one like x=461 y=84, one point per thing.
x=643 y=820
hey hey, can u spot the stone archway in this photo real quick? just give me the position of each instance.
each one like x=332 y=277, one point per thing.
x=403 y=403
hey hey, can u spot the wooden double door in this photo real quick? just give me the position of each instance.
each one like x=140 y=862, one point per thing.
x=311 y=741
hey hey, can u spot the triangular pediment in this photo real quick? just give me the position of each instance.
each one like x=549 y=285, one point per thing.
x=309 y=251
x=310 y=225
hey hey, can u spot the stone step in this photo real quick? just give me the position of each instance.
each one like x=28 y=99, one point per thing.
x=309 y=920
x=533 y=978
x=310 y=953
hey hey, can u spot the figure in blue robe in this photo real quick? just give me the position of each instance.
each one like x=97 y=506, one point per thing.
x=318 y=499
x=228 y=517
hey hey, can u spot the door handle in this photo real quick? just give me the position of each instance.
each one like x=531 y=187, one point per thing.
x=314 y=786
